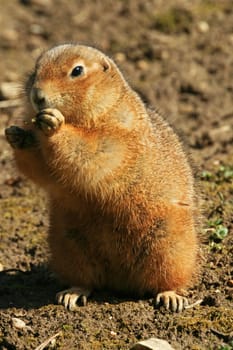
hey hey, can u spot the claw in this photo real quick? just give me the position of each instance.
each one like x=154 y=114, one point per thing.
x=171 y=301
x=70 y=297
x=49 y=120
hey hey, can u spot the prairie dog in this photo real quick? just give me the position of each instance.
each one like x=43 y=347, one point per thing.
x=120 y=189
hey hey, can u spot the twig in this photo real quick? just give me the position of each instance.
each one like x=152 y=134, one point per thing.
x=10 y=103
x=46 y=342
x=198 y=302
x=225 y=336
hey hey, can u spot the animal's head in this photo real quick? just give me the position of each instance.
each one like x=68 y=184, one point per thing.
x=78 y=80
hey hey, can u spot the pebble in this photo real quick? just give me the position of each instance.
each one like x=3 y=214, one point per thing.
x=203 y=27
x=143 y=65
x=120 y=57
x=152 y=344
x=18 y=323
x=113 y=334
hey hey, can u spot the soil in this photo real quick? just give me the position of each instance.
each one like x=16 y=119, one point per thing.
x=178 y=56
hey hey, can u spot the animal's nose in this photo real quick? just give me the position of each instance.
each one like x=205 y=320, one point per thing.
x=38 y=98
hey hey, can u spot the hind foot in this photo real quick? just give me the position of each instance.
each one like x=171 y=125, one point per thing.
x=171 y=301
x=70 y=297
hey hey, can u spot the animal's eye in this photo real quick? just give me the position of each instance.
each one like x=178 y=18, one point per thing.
x=77 y=71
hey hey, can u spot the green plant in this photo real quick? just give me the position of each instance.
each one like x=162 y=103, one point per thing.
x=225 y=172
x=206 y=175
x=217 y=230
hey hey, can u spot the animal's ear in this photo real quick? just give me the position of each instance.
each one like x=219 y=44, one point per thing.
x=105 y=64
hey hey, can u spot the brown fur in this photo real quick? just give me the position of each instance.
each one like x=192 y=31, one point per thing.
x=120 y=189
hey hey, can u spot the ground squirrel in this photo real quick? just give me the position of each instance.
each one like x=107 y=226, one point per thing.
x=121 y=198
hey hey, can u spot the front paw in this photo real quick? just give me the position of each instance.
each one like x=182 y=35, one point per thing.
x=49 y=121
x=19 y=138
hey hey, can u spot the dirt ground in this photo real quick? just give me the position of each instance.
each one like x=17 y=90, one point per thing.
x=179 y=56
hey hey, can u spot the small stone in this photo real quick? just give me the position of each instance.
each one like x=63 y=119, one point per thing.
x=53 y=343
x=120 y=57
x=113 y=334
x=203 y=27
x=152 y=344
x=216 y=162
x=18 y=323
x=142 y=64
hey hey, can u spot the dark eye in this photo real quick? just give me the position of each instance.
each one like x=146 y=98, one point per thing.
x=77 y=71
